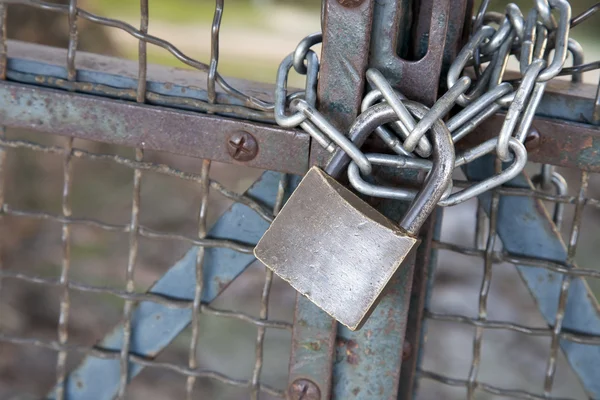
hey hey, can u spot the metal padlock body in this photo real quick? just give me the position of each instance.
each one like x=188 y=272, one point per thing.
x=334 y=248
x=337 y=250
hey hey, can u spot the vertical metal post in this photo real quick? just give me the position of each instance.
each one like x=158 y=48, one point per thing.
x=346 y=38
x=413 y=339
x=368 y=361
x=344 y=58
x=438 y=57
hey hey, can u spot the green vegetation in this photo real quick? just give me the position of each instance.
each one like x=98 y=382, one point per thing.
x=177 y=11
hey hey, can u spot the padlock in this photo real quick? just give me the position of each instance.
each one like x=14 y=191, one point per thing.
x=336 y=249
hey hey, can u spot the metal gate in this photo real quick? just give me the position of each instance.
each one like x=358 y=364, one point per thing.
x=169 y=134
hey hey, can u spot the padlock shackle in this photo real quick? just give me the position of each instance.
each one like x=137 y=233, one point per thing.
x=442 y=157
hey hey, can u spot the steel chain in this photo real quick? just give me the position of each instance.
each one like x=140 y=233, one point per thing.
x=531 y=39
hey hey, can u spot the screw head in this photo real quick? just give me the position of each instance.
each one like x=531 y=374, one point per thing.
x=532 y=141
x=242 y=146
x=303 y=389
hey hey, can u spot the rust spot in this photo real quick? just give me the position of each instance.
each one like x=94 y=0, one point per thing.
x=315 y=346
x=587 y=142
x=390 y=327
x=222 y=285
x=353 y=359
x=158 y=317
x=532 y=141
x=406 y=351
x=168 y=86
x=79 y=384
x=351 y=356
x=356 y=391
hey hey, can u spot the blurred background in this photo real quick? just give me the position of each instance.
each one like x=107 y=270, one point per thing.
x=255 y=36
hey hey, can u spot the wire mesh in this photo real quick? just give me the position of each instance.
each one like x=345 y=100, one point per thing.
x=493 y=258
x=134 y=228
x=253 y=108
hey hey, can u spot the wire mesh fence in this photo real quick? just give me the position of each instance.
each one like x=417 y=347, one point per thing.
x=487 y=258
x=133 y=229
x=136 y=238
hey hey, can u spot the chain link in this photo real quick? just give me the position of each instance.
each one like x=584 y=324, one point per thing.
x=539 y=41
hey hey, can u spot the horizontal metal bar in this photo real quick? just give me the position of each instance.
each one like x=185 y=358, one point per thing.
x=148 y=127
x=568 y=101
x=116 y=77
x=562 y=143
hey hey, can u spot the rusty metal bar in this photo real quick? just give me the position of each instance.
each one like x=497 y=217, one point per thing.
x=458 y=26
x=117 y=78
x=565 y=144
x=418 y=80
x=346 y=24
x=149 y=127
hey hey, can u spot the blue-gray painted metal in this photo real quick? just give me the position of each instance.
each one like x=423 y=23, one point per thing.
x=26 y=71
x=117 y=78
x=526 y=230
x=368 y=361
x=154 y=325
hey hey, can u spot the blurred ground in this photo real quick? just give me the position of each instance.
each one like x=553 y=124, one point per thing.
x=254 y=38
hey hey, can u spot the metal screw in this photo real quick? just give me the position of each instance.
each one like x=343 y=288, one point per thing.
x=242 y=146
x=303 y=389
x=350 y=3
x=532 y=141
